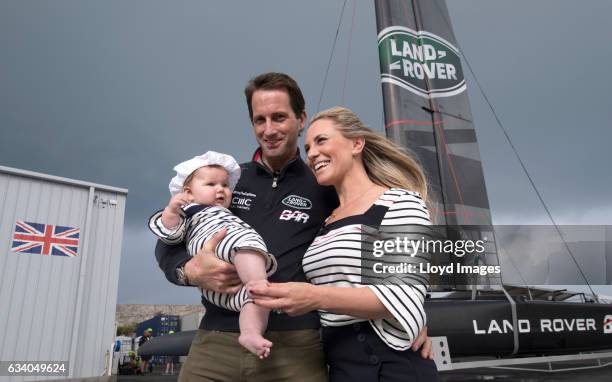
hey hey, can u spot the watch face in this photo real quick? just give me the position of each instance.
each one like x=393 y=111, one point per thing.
x=180 y=275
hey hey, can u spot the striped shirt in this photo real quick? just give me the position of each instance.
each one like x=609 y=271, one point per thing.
x=197 y=226
x=335 y=259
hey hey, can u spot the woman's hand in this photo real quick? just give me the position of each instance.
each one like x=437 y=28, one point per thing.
x=293 y=298
x=296 y=299
x=423 y=342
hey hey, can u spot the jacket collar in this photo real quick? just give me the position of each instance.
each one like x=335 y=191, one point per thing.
x=294 y=164
x=258 y=158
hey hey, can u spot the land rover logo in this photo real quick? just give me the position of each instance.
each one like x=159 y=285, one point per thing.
x=607 y=327
x=420 y=62
x=297 y=202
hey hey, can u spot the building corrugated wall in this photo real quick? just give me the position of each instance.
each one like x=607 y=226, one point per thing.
x=59 y=308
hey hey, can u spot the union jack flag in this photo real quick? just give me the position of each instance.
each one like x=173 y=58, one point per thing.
x=45 y=239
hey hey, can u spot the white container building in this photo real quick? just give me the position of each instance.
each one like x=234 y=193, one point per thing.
x=60 y=248
x=191 y=321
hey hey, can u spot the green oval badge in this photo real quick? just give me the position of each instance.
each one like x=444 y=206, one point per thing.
x=298 y=202
x=420 y=62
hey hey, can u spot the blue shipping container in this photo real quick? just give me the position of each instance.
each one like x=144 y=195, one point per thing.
x=161 y=325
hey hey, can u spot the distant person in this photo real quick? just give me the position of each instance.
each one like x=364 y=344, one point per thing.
x=130 y=366
x=201 y=193
x=146 y=336
x=170 y=360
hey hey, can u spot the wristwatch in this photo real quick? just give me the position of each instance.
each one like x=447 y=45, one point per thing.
x=181 y=276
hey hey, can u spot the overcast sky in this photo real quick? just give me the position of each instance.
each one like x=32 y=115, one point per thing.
x=117 y=92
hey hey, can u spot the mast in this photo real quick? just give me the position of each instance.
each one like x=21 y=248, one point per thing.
x=427 y=111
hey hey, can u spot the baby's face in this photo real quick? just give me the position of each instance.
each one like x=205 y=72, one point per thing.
x=210 y=185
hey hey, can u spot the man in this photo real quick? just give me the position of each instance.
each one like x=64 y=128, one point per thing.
x=278 y=196
x=146 y=336
x=170 y=361
x=130 y=366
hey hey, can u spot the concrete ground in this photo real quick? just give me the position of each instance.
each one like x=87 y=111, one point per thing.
x=603 y=374
x=594 y=375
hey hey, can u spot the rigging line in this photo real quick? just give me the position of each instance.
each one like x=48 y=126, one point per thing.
x=439 y=130
x=502 y=248
x=501 y=126
x=447 y=114
x=331 y=56
x=348 y=55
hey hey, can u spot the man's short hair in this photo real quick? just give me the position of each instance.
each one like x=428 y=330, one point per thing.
x=276 y=81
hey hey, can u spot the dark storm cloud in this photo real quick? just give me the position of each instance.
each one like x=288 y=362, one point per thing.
x=118 y=92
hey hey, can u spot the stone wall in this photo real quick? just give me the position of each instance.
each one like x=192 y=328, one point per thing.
x=135 y=313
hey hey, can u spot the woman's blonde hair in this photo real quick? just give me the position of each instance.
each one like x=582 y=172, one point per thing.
x=386 y=163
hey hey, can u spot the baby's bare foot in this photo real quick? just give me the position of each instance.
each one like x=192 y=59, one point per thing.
x=256 y=344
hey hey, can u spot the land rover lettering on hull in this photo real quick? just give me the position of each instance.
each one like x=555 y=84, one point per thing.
x=420 y=62
x=542 y=325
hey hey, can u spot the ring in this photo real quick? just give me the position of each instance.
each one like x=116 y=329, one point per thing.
x=279 y=311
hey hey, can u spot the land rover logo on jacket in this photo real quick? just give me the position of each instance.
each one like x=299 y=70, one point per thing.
x=298 y=202
x=420 y=62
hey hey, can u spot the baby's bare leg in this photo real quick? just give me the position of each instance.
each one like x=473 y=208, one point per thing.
x=251 y=266
x=253 y=323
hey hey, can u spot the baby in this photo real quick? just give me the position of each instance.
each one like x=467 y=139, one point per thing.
x=201 y=193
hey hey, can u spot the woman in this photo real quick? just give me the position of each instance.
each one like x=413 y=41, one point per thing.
x=367 y=329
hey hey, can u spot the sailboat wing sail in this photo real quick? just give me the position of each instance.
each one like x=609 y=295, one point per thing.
x=426 y=105
x=427 y=111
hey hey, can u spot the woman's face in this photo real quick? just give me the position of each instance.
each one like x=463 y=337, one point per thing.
x=330 y=155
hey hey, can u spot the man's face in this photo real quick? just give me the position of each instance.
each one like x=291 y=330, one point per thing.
x=276 y=126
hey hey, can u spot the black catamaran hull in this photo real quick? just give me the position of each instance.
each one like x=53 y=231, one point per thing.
x=486 y=328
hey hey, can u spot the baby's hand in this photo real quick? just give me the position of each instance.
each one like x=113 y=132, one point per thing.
x=179 y=200
x=171 y=216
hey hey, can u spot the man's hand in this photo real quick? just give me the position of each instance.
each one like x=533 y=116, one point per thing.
x=424 y=343
x=207 y=271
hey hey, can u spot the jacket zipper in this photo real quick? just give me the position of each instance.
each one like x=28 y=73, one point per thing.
x=276 y=174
